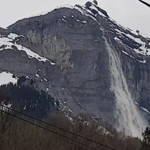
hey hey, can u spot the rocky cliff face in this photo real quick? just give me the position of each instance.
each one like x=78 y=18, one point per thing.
x=68 y=51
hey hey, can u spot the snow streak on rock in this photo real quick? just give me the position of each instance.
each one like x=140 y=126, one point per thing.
x=129 y=119
x=10 y=41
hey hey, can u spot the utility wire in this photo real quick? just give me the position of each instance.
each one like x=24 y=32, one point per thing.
x=59 y=128
x=147 y=4
x=30 y=122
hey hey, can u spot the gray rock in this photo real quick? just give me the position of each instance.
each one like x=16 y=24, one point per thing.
x=80 y=77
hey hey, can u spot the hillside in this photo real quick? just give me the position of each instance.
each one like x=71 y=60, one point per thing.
x=86 y=61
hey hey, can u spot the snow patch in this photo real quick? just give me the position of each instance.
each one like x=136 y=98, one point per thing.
x=64 y=20
x=12 y=36
x=127 y=54
x=117 y=39
x=142 y=61
x=37 y=76
x=87 y=13
x=83 y=21
x=8 y=43
x=145 y=110
x=6 y=78
x=5 y=42
x=93 y=7
x=47 y=89
x=45 y=79
x=65 y=6
x=30 y=53
x=143 y=48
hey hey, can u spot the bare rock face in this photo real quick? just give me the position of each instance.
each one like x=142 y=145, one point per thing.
x=77 y=70
x=74 y=43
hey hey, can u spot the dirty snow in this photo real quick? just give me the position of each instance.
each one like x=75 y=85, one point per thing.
x=119 y=32
x=52 y=63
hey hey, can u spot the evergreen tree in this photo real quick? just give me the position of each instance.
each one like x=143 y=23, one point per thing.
x=28 y=100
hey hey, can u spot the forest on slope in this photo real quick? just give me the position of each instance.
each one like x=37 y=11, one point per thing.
x=21 y=135
x=25 y=98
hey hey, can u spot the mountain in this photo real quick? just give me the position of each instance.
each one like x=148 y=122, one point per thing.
x=86 y=61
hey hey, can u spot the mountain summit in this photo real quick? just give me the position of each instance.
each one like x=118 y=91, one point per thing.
x=86 y=61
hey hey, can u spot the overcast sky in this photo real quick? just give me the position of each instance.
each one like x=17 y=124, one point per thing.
x=129 y=13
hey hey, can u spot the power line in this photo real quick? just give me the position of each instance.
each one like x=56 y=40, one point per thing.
x=60 y=128
x=47 y=129
x=145 y=3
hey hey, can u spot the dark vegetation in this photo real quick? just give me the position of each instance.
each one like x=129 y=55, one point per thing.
x=146 y=139
x=27 y=99
x=20 y=135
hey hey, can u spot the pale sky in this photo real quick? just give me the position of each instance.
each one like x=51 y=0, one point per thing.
x=129 y=13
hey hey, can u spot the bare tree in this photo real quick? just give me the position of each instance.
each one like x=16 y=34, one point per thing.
x=5 y=118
